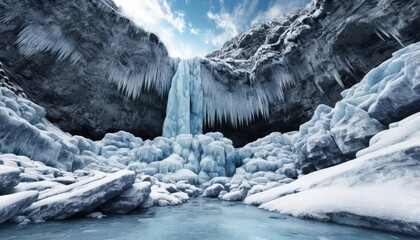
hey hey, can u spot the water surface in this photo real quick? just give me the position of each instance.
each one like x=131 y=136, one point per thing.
x=200 y=219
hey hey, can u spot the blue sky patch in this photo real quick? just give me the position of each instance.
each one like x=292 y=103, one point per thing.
x=192 y=28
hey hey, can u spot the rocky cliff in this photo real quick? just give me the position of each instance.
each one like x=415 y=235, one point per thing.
x=292 y=64
x=95 y=72
x=81 y=60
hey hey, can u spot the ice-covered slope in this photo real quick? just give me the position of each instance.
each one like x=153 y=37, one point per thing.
x=93 y=70
x=285 y=68
x=378 y=187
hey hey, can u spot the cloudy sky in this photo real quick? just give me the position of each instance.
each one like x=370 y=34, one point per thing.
x=191 y=28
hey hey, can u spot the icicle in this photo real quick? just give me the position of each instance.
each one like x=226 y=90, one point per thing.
x=337 y=77
x=33 y=39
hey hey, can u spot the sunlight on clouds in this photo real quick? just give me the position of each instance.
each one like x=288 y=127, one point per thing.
x=273 y=12
x=146 y=12
x=193 y=30
x=229 y=23
x=158 y=17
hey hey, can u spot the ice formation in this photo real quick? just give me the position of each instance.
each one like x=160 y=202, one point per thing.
x=35 y=39
x=184 y=112
x=69 y=175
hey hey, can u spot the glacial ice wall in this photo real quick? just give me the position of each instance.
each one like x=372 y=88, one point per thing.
x=184 y=111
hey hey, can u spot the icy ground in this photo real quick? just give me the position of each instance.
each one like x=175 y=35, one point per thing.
x=199 y=218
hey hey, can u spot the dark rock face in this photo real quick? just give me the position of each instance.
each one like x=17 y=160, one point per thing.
x=309 y=56
x=86 y=72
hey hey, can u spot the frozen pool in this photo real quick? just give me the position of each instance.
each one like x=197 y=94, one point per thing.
x=199 y=219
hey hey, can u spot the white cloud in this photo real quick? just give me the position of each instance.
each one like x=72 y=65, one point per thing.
x=157 y=16
x=193 y=30
x=152 y=12
x=230 y=23
x=274 y=11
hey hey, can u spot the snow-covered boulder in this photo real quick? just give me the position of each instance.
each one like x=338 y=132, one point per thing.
x=129 y=200
x=13 y=204
x=160 y=197
x=82 y=198
x=18 y=136
x=237 y=194
x=213 y=191
x=321 y=149
x=352 y=128
x=181 y=196
x=189 y=189
x=9 y=177
x=404 y=130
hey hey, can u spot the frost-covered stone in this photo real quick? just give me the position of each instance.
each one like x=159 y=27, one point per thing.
x=238 y=194
x=352 y=128
x=13 y=204
x=18 y=136
x=160 y=197
x=404 y=130
x=82 y=199
x=213 y=191
x=182 y=196
x=9 y=178
x=128 y=200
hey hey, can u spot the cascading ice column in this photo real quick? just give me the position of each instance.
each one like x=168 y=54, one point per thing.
x=184 y=111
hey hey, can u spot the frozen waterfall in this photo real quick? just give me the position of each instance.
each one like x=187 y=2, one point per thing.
x=184 y=111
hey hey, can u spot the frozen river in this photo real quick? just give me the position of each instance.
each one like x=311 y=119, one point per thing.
x=200 y=219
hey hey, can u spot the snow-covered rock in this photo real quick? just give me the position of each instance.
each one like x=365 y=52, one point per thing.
x=81 y=199
x=160 y=197
x=128 y=200
x=18 y=136
x=9 y=178
x=352 y=128
x=237 y=194
x=13 y=204
x=379 y=189
x=213 y=191
x=404 y=130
